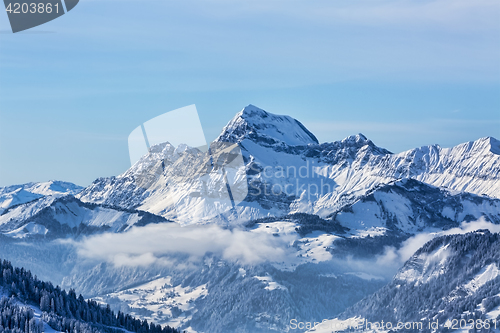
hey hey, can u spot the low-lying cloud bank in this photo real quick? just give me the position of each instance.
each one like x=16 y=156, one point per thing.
x=387 y=264
x=394 y=258
x=412 y=244
x=150 y=244
x=158 y=243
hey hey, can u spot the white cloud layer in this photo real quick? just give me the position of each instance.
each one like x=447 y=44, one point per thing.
x=387 y=264
x=395 y=258
x=158 y=244
x=150 y=244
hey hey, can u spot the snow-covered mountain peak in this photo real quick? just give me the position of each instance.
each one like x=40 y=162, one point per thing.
x=488 y=144
x=164 y=153
x=64 y=215
x=55 y=186
x=358 y=138
x=287 y=171
x=19 y=194
x=161 y=148
x=251 y=110
x=266 y=129
x=363 y=144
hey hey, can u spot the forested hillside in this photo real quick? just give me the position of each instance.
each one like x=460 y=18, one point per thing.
x=63 y=311
x=451 y=279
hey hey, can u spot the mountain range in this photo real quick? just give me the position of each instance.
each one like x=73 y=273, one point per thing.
x=267 y=226
x=275 y=148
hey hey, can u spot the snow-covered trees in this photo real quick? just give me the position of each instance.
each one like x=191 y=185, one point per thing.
x=16 y=319
x=443 y=289
x=63 y=310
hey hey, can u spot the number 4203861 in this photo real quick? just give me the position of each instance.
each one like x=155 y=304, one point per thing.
x=18 y=8
x=470 y=324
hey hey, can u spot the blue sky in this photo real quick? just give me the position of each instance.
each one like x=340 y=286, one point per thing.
x=404 y=73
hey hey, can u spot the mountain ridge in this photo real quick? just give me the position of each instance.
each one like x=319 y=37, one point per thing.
x=62 y=216
x=268 y=128
x=18 y=194
x=347 y=169
x=336 y=244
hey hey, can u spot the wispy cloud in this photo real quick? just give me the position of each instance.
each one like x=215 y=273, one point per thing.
x=160 y=243
x=149 y=245
x=387 y=264
x=395 y=258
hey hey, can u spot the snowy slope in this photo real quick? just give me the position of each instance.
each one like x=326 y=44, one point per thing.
x=266 y=129
x=221 y=296
x=287 y=171
x=322 y=201
x=19 y=194
x=217 y=295
x=164 y=301
x=470 y=167
x=58 y=216
x=411 y=206
x=485 y=275
x=450 y=277
x=182 y=184
x=341 y=172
